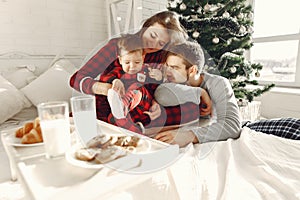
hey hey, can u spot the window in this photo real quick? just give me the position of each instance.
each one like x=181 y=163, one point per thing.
x=276 y=40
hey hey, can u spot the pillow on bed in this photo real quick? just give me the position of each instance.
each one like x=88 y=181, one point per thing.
x=22 y=76
x=287 y=127
x=12 y=100
x=52 y=85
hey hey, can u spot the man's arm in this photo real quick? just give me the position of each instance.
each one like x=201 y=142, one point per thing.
x=172 y=94
x=226 y=120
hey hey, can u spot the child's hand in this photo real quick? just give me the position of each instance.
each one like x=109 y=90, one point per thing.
x=155 y=74
x=118 y=86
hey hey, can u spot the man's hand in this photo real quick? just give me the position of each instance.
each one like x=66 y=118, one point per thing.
x=155 y=74
x=177 y=136
x=118 y=86
x=206 y=104
x=154 y=111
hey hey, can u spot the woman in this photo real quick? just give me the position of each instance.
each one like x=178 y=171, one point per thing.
x=157 y=32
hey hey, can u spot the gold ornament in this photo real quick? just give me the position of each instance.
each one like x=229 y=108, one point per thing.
x=226 y=14
x=182 y=6
x=242 y=29
x=196 y=34
x=215 y=40
x=232 y=70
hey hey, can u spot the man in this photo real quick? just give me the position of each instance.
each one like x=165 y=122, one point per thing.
x=184 y=64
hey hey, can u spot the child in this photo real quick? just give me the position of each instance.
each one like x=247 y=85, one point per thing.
x=128 y=94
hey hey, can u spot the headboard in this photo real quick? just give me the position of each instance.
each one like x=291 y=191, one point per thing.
x=11 y=60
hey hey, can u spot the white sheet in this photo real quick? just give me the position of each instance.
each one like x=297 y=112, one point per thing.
x=27 y=114
x=255 y=166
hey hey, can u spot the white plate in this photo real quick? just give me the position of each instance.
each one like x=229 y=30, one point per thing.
x=144 y=146
x=14 y=141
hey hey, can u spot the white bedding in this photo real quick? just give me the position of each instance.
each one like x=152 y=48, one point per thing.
x=255 y=166
x=27 y=114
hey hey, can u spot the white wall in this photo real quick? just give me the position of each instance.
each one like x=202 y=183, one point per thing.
x=57 y=26
x=51 y=26
x=280 y=102
x=150 y=7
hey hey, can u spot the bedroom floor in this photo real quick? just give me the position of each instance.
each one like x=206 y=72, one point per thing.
x=9 y=190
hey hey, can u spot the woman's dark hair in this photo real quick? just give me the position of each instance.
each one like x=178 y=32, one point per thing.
x=169 y=20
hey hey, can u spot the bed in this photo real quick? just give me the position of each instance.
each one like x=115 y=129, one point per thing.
x=254 y=166
x=25 y=81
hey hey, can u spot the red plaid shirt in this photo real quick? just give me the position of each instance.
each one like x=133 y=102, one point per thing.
x=106 y=60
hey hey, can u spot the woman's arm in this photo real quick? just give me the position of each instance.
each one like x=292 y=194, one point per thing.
x=101 y=88
x=83 y=79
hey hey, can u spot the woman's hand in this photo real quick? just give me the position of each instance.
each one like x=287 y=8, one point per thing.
x=154 y=111
x=101 y=88
x=177 y=136
x=118 y=86
x=206 y=104
x=155 y=74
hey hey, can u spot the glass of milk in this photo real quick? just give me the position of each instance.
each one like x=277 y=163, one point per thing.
x=84 y=116
x=55 y=126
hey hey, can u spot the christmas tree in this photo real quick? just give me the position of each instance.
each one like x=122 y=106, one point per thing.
x=223 y=28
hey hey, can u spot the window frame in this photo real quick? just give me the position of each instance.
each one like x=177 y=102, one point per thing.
x=278 y=38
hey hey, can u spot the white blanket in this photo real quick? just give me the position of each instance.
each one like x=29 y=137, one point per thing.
x=255 y=166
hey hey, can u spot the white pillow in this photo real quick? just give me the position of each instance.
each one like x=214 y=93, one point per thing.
x=52 y=85
x=12 y=100
x=22 y=76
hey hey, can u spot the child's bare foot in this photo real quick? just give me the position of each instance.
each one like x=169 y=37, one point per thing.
x=116 y=104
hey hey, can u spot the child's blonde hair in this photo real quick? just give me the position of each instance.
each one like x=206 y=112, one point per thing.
x=129 y=43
